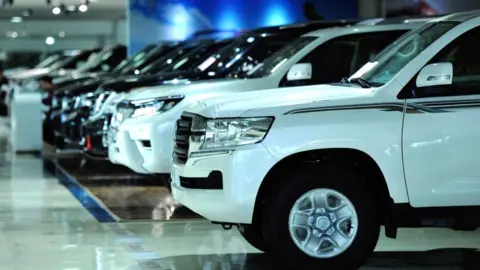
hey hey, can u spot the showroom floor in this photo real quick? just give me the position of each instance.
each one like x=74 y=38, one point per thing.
x=47 y=225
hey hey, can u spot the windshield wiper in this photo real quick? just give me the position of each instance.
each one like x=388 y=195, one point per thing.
x=362 y=82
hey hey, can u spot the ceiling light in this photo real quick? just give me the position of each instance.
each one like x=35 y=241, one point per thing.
x=16 y=19
x=56 y=10
x=14 y=34
x=83 y=8
x=49 y=40
x=61 y=34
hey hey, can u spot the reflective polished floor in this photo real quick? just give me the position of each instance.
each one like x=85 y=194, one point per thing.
x=47 y=225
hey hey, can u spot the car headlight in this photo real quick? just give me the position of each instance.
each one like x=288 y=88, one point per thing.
x=225 y=133
x=152 y=107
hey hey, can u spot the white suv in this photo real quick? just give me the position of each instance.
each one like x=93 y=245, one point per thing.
x=141 y=134
x=313 y=172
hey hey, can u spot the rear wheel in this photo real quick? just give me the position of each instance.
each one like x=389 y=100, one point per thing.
x=253 y=235
x=322 y=217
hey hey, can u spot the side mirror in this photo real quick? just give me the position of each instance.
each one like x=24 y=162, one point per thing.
x=300 y=72
x=435 y=74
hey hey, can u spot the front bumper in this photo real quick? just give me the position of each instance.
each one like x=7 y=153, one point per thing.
x=242 y=172
x=144 y=145
x=122 y=150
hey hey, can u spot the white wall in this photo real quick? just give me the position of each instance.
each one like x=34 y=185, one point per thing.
x=79 y=34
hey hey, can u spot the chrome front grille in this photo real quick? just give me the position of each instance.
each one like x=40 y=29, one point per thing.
x=189 y=129
x=123 y=112
x=182 y=139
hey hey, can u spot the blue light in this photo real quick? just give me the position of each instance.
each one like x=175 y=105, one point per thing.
x=228 y=19
x=276 y=15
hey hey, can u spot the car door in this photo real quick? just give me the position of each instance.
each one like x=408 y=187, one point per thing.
x=441 y=132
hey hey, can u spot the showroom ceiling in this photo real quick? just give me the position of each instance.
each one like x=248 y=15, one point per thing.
x=97 y=9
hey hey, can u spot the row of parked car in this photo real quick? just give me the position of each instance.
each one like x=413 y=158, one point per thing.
x=307 y=137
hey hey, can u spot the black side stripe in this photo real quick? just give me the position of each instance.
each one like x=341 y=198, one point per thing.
x=393 y=106
x=411 y=108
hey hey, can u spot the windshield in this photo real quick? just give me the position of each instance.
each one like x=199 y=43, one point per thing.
x=189 y=60
x=246 y=52
x=166 y=60
x=389 y=62
x=97 y=60
x=50 y=60
x=273 y=62
x=127 y=64
x=151 y=57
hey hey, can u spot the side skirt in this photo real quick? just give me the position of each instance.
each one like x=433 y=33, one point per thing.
x=457 y=218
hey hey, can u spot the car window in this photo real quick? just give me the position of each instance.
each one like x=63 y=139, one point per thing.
x=280 y=57
x=389 y=62
x=340 y=57
x=256 y=55
x=464 y=54
x=241 y=56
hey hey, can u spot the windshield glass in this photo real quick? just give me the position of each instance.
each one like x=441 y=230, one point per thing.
x=96 y=60
x=166 y=61
x=389 y=62
x=152 y=56
x=127 y=64
x=246 y=52
x=50 y=60
x=228 y=56
x=189 y=60
x=273 y=62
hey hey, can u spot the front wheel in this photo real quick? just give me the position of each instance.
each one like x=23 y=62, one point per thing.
x=322 y=217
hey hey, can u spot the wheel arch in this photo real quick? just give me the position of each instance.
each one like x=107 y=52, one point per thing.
x=355 y=159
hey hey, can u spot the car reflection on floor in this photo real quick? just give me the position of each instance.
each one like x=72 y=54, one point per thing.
x=447 y=259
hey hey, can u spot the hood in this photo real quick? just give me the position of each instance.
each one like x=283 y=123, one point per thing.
x=79 y=87
x=181 y=89
x=12 y=71
x=64 y=72
x=174 y=78
x=30 y=73
x=275 y=101
x=127 y=83
x=66 y=84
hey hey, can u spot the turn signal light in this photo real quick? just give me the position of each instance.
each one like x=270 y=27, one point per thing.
x=88 y=143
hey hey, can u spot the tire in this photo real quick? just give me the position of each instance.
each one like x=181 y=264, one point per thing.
x=304 y=179
x=253 y=235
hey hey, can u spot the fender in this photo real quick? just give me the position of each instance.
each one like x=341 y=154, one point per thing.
x=373 y=131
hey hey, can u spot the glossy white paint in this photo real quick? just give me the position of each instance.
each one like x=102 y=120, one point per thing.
x=157 y=159
x=441 y=157
x=435 y=74
x=438 y=151
x=240 y=186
